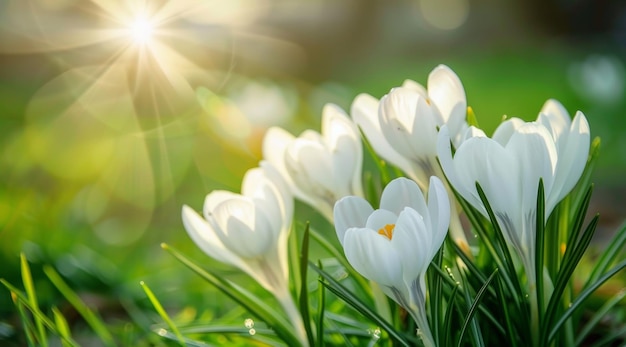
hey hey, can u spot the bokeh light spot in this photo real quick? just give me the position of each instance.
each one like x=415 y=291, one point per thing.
x=445 y=14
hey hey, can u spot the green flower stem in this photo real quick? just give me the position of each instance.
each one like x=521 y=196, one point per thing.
x=423 y=329
x=289 y=306
x=417 y=310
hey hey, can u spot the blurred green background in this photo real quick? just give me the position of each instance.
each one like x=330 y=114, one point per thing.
x=98 y=154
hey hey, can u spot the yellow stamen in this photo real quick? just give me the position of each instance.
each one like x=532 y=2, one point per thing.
x=387 y=231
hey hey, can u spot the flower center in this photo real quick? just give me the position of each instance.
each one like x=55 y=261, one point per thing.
x=387 y=231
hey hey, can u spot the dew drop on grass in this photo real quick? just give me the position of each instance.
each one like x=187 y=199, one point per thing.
x=248 y=323
x=376 y=333
x=252 y=331
x=162 y=332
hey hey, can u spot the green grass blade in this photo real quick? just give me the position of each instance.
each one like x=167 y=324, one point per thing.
x=573 y=254
x=436 y=296
x=582 y=297
x=244 y=298
x=304 y=291
x=27 y=324
x=321 y=307
x=608 y=256
x=62 y=327
x=293 y=254
x=161 y=311
x=599 y=315
x=447 y=321
x=21 y=298
x=507 y=316
x=27 y=280
x=90 y=316
x=346 y=295
x=502 y=257
x=539 y=249
x=472 y=311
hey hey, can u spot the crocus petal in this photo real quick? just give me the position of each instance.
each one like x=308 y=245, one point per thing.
x=364 y=112
x=505 y=130
x=410 y=84
x=396 y=116
x=402 y=192
x=243 y=228
x=572 y=160
x=472 y=131
x=447 y=93
x=412 y=242
x=264 y=195
x=275 y=143
x=215 y=198
x=310 y=168
x=344 y=146
x=444 y=153
x=350 y=212
x=379 y=219
x=267 y=186
x=555 y=118
x=373 y=256
x=205 y=237
x=439 y=209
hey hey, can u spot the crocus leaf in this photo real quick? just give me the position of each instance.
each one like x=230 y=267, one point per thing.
x=91 y=317
x=161 y=311
x=346 y=295
x=247 y=300
x=304 y=290
x=584 y=295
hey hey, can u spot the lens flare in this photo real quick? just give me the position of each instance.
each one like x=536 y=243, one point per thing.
x=141 y=30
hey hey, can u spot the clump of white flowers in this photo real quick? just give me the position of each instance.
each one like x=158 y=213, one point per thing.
x=525 y=169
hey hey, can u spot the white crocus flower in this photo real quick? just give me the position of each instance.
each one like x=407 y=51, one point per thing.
x=394 y=245
x=250 y=231
x=320 y=168
x=402 y=127
x=509 y=166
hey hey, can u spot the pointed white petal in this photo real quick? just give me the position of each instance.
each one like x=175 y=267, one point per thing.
x=205 y=237
x=265 y=195
x=373 y=256
x=364 y=112
x=444 y=153
x=275 y=144
x=282 y=190
x=439 y=208
x=400 y=193
x=380 y=218
x=310 y=167
x=572 y=160
x=424 y=131
x=485 y=161
x=412 y=241
x=410 y=84
x=397 y=116
x=555 y=118
x=215 y=198
x=505 y=130
x=447 y=93
x=470 y=132
x=344 y=146
x=534 y=150
x=350 y=212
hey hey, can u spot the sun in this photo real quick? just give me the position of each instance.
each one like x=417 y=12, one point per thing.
x=141 y=30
